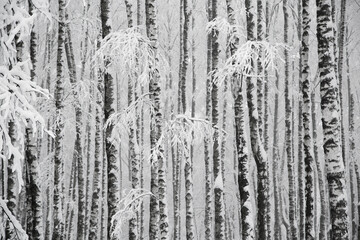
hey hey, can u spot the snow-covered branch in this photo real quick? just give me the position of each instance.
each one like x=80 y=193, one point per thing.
x=128 y=207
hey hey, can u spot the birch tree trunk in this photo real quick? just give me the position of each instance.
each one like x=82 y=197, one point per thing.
x=218 y=188
x=110 y=148
x=34 y=222
x=331 y=123
x=320 y=173
x=98 y=159
x=59 y=135
x=276 y=157
x=255 y=138
x=352 y=167
x=78 y=149
x=159 y=226
x=301 y=177
x=306 y=114
x=133 y=154
x=260 y=68
x=190 y=230
x=248 y=229
x=288 y=130
x=340 y=64
x=208 y=181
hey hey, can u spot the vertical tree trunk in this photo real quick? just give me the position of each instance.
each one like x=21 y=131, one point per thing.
x=306 y=114
x=352 y=166
x=354 y=199
x=105 y=225
x=301 y=177
x=288 y=130
x=98 y=159
x=110 y=148
x=266 y=122
x=50 y=141
x=70 y=210
x=78 y=149
x=34 y=220
x=260 y=68
x=320 y=174
x=340 y=64
x=176 y=159
x=248 y=229
x=218 y=188
x=276 y=157
x=59 y=145
x=255 y=138
x=133 y=154
x=208 y=181
x=159 y=226
x=331 y=123
x=190 y=231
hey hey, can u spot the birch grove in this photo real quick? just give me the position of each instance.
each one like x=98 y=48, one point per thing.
x=189 y=119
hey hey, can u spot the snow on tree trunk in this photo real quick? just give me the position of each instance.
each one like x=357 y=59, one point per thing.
x=288 y=130
x=340 y=64
x=255 y=138
x=331 y=123
x=320 y=174
x=260 y=67
x=207 y=140
x=59 y=129
x=301 y=182
x=188 y=171
x=306 y=114
x=98 y=160
x=110 y=148
x=78 y=149
x=218 y=191
x=275 y=169
x=133 y=154
x=243 y=171
x=34 y=222
x=352 y=166
x=159 y=225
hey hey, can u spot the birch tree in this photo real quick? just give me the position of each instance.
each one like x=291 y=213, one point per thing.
x=255 y=138
x=306 y=114
x=208 y=180
x=110 y=148
x=59 y=129
x=158 y=207
x=331 y=123
x=34 y=220
x=243 y=159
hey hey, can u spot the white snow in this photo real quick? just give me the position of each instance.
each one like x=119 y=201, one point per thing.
x=219 y=182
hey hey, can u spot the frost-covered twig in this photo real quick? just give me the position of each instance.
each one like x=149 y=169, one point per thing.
x=129 y=51
x=20 y=233
x=241 y=63
x=128 y=207
x=122 y=120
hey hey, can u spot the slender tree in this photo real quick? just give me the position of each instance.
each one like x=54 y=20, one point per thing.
x=255 y=138
x=217 y=164
x=188 y=171
x=275 y=170
x=110 y=148
x=34 y=219
x=248 y=229
x=208 y=181
x=59 y=129
x=331 y=123
x=306 y=114
x=340 y=64
x=159 y=226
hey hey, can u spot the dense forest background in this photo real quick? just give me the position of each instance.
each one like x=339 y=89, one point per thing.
x=196 y=119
